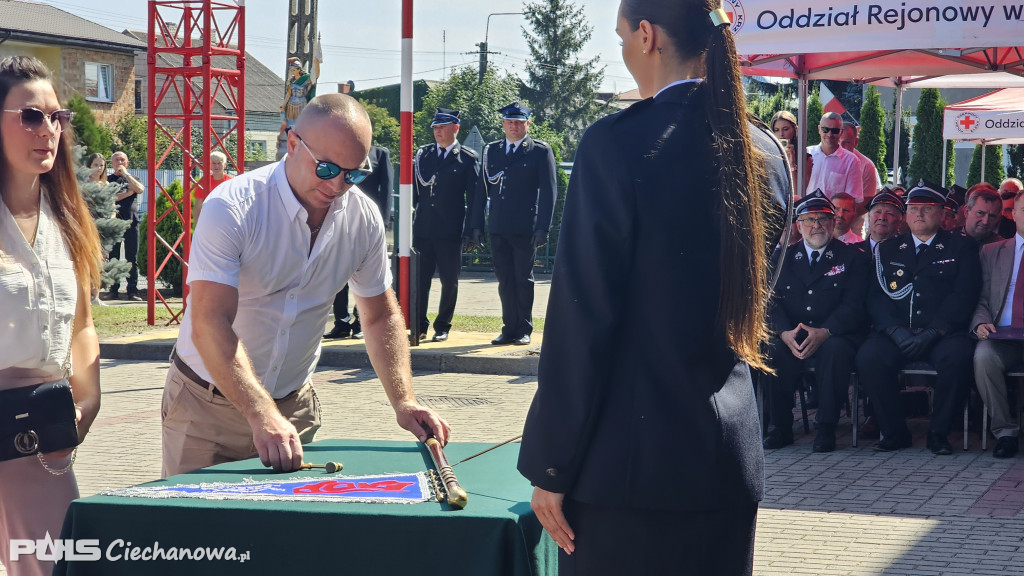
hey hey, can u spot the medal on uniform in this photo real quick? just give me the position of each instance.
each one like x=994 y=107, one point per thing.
x=892 y=285
x=828 y=255
x=903 y=246
x=939 y=246
x=899 y=273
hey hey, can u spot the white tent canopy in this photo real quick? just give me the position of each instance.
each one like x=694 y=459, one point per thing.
x=806 y=39
x=995 y=118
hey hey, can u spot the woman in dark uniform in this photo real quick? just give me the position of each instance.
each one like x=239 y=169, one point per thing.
x=643 y=441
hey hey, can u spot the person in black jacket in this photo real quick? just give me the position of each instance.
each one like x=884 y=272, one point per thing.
x=447 y=176
x=519 y=182
x=644 y=449
x=817 y=318
x=378 y=186
x=926 y=287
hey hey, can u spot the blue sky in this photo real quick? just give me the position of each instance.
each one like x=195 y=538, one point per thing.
x=362 y=39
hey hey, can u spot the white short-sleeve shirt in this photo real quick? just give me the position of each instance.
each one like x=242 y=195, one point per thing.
x=38 y=295
x=253 y=236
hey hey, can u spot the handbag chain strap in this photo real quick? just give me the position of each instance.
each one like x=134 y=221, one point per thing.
x=66 y=367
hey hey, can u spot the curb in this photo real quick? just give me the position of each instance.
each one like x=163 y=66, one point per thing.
x=422 y=360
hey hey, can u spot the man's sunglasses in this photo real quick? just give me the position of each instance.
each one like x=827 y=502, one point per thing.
x=825 y=130
x=32 y=118
x=330 y=170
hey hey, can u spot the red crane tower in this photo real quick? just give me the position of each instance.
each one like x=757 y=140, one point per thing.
x=196 y=55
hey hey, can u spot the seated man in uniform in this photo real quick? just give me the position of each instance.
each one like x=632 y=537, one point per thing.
x=816 y=315
x=926 y=287
x=983 y=214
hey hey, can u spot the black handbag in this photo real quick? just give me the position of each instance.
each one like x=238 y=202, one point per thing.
x=37 y=420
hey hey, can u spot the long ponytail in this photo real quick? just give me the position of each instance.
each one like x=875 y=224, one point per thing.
x=744 y=199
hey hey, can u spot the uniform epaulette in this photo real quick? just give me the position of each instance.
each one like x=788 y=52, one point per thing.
x=384 y=148
x=425 y=146
x=469 y=151
x=633 y=109
x=541 y=144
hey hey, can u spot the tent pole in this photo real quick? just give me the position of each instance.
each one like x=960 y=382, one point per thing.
x=801 y=155
x=981 y=178
x=898 y=128
x=943 y=162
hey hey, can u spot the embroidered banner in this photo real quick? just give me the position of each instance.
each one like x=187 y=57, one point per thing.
x=385 y=488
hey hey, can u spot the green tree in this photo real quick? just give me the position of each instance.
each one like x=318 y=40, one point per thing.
x=765 y=106
x=99 y=197
x=170 y=229
x=88 y=131
x=890 y=136
x=872 y=130
x=561 y=87
x=994 y=171
x=814 y=113
x=927 y=160
x=1015 y=154
x=478 y=101
x=387 y=131
x=129 y=136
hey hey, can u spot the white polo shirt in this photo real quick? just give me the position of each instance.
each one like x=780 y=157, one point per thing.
x=253 y=236
x=835 y=173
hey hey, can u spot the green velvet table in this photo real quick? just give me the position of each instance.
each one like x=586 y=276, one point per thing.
x=497 y=533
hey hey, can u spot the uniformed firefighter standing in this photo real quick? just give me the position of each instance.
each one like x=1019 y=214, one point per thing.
x=926 y=287
x=519 y=183
x=817 y=317
x=447 y=178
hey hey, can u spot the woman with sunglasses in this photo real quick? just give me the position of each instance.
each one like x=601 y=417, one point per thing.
x=644 y=449
x=49 y=260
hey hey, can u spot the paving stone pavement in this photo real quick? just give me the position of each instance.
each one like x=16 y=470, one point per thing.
x=851 y=512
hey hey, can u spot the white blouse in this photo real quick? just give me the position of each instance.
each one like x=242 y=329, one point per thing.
x=38 y=294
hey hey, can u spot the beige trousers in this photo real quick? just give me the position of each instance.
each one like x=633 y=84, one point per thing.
x=201 y=428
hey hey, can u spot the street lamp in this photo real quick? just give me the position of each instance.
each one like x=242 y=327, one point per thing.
x=483 y=45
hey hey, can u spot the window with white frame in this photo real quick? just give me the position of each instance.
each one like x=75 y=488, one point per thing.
x=99 y=80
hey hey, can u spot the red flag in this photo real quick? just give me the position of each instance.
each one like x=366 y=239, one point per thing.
x=829 y=102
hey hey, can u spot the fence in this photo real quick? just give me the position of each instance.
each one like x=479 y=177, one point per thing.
x=165 y=177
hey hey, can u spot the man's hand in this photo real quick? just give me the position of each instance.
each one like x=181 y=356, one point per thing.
x=984 y=330
x=422 y=422
x=789 y=339
x=548 y=507
x=540 y=238
x=815 y=336
x=920 y=342
x=277 y=442
x=899 y=335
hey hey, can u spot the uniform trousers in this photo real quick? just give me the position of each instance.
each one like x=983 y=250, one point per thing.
x=879 y=361
x=513 y=256
x=340 y=309
x=201 y=428
x=32 y=502
x=614 y=541
x=991 y=359
x=445 y=256
x=832 y=363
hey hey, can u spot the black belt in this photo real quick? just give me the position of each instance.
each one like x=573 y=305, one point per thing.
x=191 y=375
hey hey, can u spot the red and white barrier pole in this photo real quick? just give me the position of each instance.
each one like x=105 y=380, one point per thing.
x=405 y=169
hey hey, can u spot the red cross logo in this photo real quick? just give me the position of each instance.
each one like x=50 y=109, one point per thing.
x=967 y=122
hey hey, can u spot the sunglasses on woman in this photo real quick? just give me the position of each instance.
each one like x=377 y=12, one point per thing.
x=32 y=118
x=330 y=170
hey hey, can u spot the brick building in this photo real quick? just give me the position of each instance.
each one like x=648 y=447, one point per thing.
x=85 y=58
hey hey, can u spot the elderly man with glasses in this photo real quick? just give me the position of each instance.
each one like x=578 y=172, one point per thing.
x=270 y=252
x=816 y=317
x=835 y=168
x=926 y=285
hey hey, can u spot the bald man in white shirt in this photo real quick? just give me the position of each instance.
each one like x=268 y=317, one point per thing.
x=272 y=249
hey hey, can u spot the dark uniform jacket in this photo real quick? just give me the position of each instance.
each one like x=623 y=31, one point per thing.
x=523 y=198
x=662 y=416
x=441 y=208
x=831 y=295
x=945 y=280
x=379 y=185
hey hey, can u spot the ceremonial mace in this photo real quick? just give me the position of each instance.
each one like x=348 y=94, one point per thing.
x=457 y=497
